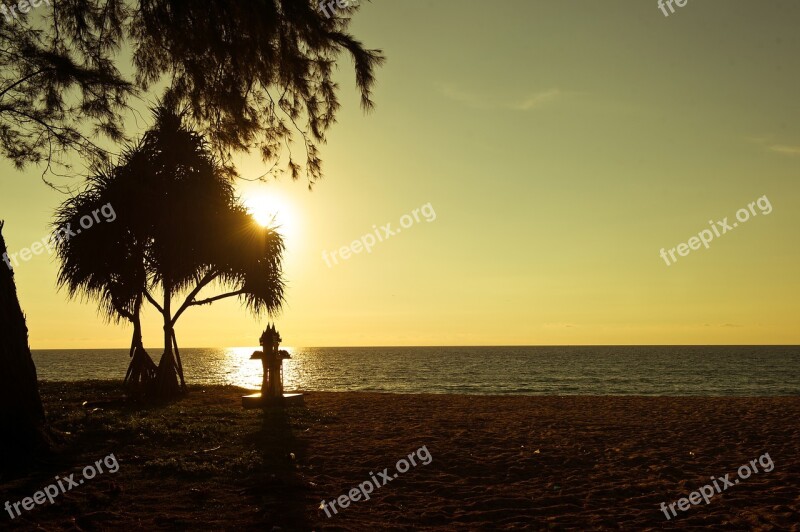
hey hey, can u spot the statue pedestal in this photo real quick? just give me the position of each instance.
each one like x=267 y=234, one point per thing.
x=256 y=401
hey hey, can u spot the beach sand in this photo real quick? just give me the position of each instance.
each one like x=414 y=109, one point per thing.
x=516 y=462
x=560 y=462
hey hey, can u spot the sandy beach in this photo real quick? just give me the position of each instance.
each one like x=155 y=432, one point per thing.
x=495 y=462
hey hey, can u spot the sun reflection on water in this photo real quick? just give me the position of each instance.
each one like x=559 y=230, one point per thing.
x=247 y=373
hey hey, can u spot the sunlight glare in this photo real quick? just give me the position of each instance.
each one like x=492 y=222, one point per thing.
x=248 y=373
x=270 y=210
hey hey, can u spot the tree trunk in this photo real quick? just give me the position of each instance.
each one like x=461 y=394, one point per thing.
x=21 y=413
x=142 y=370
x=178 y=360
x=167 y=383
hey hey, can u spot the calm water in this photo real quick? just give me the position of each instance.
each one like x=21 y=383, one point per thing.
x=638 y=370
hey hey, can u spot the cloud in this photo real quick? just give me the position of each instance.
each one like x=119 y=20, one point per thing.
x=534 y=101
x=769 y=144
x=457 y=95
x=472 y=100
x=784 y=149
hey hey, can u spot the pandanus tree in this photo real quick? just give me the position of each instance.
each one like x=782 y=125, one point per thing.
x=253 y=73
x=106 y=263
x=179 y=230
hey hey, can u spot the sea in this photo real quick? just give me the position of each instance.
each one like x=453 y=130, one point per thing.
x=536 y=370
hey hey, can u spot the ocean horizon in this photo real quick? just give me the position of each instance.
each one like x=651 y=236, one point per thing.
x=483 y=370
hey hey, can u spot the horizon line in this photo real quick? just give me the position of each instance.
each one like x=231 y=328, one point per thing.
x=429 y=345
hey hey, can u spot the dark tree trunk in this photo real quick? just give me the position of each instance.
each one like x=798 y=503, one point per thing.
x=141 y=373
x=21 y=413
x=170 y=370
x=142 y=370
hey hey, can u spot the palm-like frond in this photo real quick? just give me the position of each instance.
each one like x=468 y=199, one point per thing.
x=103 y=262
x=178 y=222
x=249 y=259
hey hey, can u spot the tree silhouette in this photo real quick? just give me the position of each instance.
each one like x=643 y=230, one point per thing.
x=106 y=263
x=179 y=228
x=253 y=74
x=23 y=420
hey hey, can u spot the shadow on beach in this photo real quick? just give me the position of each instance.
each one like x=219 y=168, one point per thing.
x=278 y=488
x=201 y=461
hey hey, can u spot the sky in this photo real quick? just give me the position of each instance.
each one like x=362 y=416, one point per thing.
x=551 y=149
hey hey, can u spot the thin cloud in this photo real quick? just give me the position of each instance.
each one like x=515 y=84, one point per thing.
x=785 y=150
x=768 y=144
x=467 y=98
x=476 y=101
x=537 y=100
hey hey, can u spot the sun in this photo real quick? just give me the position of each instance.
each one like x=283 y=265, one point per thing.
x=270 y=210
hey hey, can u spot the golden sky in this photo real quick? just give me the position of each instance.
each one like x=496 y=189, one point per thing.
x=561 y=146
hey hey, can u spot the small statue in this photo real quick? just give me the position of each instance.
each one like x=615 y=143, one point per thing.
x=272 y=360
x=272 y=382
